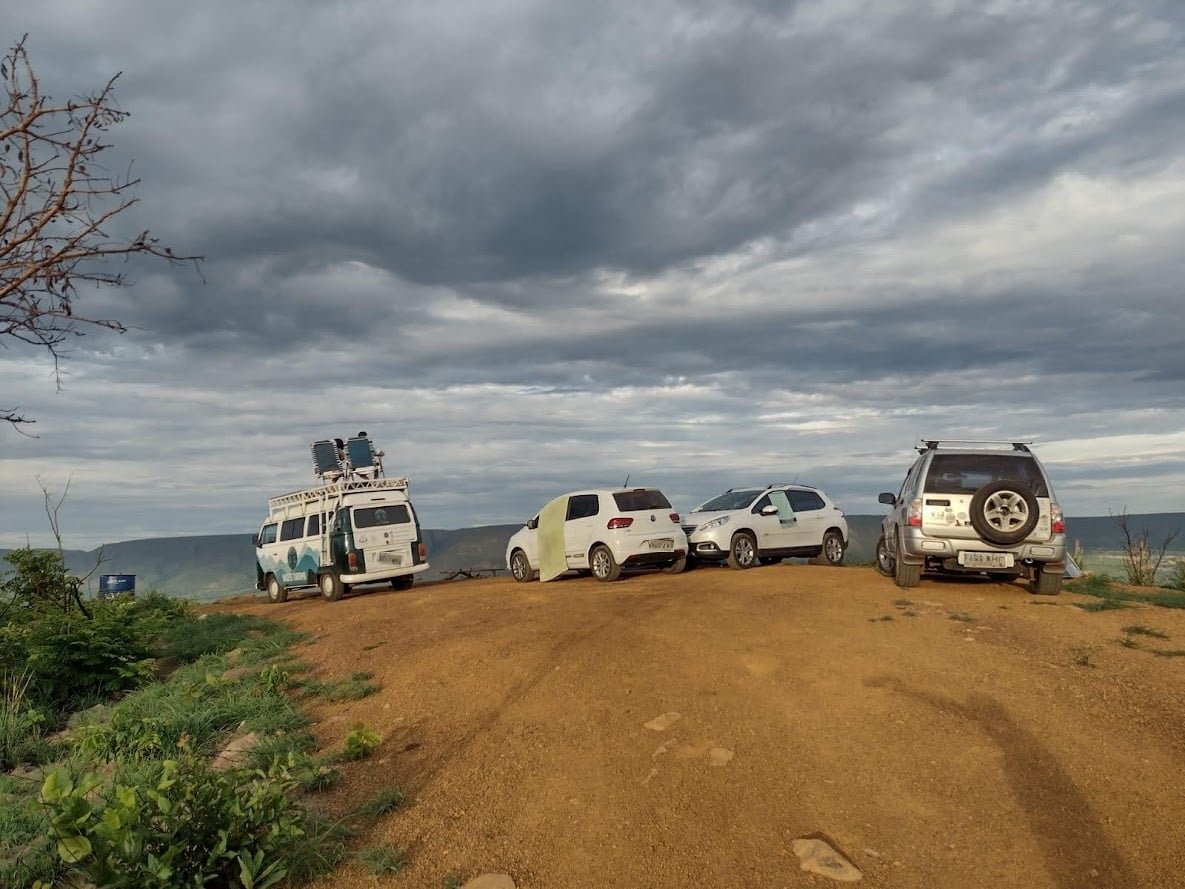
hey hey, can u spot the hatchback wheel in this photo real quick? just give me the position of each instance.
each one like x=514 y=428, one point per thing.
x=604 y=566
x=743 y=552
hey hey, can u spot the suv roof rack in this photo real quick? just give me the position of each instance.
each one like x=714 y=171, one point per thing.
x=931 y=444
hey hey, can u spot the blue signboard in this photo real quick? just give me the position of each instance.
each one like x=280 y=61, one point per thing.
x=110 y=584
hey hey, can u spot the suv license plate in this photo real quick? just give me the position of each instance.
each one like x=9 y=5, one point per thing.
x=986 y=560
x=391 y=558
x=666 y=544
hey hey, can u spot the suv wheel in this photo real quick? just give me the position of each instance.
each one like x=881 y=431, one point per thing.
x=1004 y=512
x=743 y=551
x=520 y=567
x=832 y=551
x=1046 y=583
x=604 y=566
x=885 y=563
x=906 y=575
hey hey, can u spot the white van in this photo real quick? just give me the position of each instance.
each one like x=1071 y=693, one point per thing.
x=355 y=529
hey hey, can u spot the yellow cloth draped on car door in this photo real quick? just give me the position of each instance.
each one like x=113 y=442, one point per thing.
x=552 y=561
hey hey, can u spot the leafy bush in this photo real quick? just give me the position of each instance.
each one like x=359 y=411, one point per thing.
x=187 y=826
x=361 y=742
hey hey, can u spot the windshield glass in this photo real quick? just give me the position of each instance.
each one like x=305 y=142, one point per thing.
x=967 y=473
x=377 y=516
x=634 y=501
x=728 y=500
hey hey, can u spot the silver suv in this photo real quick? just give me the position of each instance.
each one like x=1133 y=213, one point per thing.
x=974 y=507
x=748 y=526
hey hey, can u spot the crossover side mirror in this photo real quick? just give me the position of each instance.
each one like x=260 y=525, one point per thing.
x=887 y=499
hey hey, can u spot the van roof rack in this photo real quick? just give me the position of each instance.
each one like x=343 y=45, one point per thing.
x=931 y=444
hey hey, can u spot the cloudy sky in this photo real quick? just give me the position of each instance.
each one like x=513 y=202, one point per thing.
x=532 y=247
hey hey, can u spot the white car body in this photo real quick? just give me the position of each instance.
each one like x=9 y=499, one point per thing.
x=745 y=526
x=637 y=527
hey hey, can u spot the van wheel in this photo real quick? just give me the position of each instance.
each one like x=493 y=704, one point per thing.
x=276 y=591
x=331 y=586
x=832 y=550
x=743 y=551
x=520 y=567
x=604 y=566
x=403 y=583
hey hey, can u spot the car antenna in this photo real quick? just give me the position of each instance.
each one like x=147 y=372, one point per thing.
x=626 y=483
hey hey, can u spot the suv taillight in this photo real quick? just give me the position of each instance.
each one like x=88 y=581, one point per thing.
x=1059 y=523
x=675 y=517
x=619 y=522
x=913 y=518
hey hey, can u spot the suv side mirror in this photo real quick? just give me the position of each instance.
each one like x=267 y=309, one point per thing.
x=255 y=540
x=887 y=499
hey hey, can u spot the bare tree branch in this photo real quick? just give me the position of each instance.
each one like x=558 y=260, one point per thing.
x=58 y=202
x=1141 y=558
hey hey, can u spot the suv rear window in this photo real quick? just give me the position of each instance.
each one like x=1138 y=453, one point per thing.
x=636 y=501
x=967 y=473
x=377 y=516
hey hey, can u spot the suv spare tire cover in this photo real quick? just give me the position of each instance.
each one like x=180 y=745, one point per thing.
x=990 y=507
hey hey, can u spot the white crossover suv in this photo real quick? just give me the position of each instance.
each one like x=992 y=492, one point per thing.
x=749 y=526
x=603 y=532
x=966 y=508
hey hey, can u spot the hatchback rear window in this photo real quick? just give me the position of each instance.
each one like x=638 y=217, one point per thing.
x=967 y=473
x=377 y=516
x=635 y=501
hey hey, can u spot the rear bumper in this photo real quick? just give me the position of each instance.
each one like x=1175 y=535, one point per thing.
x=656 y=558
x=384 y=574
x=919 y=547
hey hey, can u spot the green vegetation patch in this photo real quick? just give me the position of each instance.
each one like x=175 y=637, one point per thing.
x=1104 y=588
x=1141 y=630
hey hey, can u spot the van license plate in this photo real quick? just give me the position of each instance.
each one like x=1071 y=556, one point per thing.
x=986 y=560
x=391 y=558
x=666 y=544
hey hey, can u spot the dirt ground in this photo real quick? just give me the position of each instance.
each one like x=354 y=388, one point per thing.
x=954 y=735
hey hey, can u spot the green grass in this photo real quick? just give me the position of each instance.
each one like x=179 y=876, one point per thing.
x=385 y=801
x=1104 y=588
x=1160 y=652
x=357 y=687
x=1141 y=630
x=961 y=616
x=385 y=859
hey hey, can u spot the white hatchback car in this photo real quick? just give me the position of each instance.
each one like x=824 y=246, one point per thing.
x=747 y=526
x=602 y=532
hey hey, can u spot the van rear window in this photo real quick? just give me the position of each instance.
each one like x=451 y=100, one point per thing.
x=636 y=501
x=967 y=473
x=377 y=516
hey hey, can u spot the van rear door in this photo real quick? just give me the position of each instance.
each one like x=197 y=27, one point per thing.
x=385 y=534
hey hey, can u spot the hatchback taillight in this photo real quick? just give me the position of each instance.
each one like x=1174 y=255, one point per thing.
x=1059 y=523
x=675 y=517
x=619 y=522
x=913 y=518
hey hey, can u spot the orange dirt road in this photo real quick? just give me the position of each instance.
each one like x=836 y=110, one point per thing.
x=954 y=735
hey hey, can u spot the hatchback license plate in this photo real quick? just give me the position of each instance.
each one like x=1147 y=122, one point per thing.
x=666 y=544
x=986 y=560
x=391 y=558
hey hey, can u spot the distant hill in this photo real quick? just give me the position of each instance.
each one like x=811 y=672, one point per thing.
x=214 y=566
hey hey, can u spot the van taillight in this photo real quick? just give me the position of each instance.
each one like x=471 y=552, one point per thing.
x=619 y=522
x=423 y=551
x=675 y=517
x=914 y=517
x=352 y=561
x=1059 y=523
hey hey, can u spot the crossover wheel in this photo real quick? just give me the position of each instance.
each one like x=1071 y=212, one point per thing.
x=676 y=567
x=604 y=566
x=331 y=586
x=1004 y=512
x=520 y=566
x=832 y=551
x=743 y=551
x=885 y=562
x=276 y=591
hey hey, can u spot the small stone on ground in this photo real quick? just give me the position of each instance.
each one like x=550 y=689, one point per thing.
x=819 y=857
x=490 y=881
x=662 y=723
